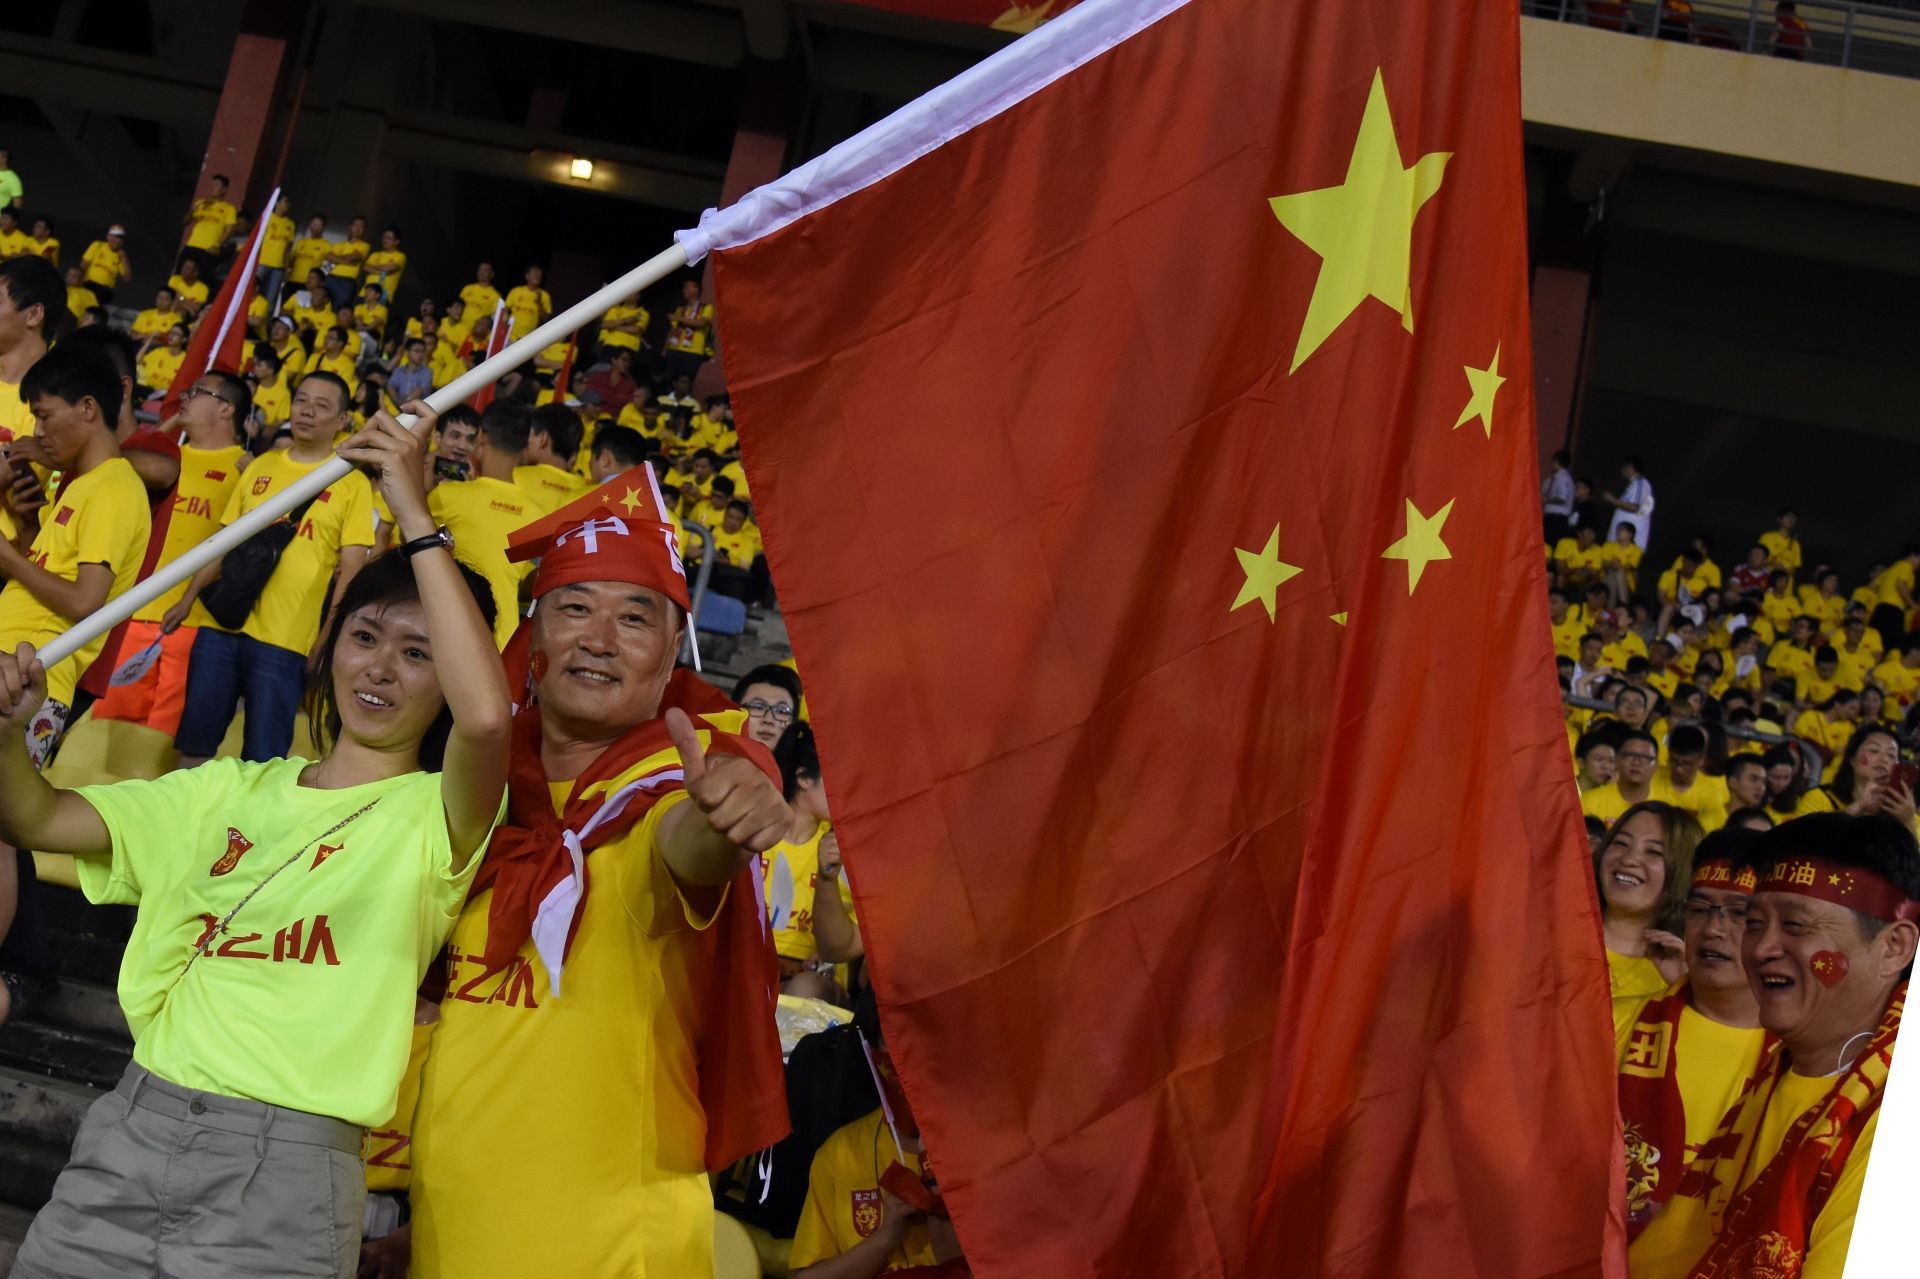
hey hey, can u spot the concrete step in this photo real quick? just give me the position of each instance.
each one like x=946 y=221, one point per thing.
x=86 y=1005
x=36 y=1047
x=27 y=1171
x=41 y=1108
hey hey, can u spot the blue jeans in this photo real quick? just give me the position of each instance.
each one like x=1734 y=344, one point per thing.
x=270 y=279
x=342 y=290
x=226 y=668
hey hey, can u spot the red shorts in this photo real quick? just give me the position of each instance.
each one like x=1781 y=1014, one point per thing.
x=157 y=698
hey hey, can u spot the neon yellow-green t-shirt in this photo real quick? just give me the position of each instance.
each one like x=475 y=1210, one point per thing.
x=306 y=999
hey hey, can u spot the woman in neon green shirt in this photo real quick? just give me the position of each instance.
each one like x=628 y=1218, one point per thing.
x=287 y=911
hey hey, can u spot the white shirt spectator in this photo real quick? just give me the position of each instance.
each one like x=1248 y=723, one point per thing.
x=1639 y=494
x=1556 y=495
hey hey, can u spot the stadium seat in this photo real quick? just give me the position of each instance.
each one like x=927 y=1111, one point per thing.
x=721 y=615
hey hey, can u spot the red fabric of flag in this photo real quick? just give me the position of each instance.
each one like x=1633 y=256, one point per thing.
x=220 y=334
x=497 y=338
x=1149 y=480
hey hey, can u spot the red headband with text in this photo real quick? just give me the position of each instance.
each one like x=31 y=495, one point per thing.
x=1866 y=891
x=1718 y=872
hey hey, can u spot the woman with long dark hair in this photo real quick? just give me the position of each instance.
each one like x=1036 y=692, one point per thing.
x=286 y=912
x=1643 y=869
x=1864 y=783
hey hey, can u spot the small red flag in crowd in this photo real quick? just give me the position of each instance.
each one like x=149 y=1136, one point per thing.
x=1141 y=428
x=497 y=338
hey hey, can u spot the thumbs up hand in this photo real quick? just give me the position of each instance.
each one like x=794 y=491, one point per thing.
x=740 y=802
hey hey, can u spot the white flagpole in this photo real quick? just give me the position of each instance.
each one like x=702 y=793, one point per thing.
x=569 y=321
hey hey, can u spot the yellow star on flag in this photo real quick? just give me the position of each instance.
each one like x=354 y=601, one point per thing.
x=632 y=500
x=1264 y=573
x=1338 y=619
x=1486 y=385
x=1363 y=228
x=1422 y=545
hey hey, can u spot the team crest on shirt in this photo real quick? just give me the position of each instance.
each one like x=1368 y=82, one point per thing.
x=866 y=1212
x=260 y=484
x=323 y=852
x=237 y=845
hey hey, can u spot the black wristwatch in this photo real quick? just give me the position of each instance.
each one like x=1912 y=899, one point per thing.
x=439 y=537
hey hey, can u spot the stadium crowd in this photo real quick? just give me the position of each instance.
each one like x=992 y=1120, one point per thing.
x=1737 y=738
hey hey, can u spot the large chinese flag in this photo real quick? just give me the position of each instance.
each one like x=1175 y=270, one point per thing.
x=1142 y=434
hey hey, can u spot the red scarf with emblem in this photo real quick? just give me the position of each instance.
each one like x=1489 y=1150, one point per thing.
x=539 y=893
x=1770 y=1220
x=1653 y=1116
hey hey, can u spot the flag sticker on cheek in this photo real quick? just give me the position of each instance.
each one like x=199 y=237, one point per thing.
x=1830 y=966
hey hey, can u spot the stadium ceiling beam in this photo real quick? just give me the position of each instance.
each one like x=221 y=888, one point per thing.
x=140 y=88
x=698 y=35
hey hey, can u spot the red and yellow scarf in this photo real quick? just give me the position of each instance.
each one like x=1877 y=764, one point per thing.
x=1764 y=1228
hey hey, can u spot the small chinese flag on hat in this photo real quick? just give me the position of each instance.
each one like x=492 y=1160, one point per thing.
x=617 y=532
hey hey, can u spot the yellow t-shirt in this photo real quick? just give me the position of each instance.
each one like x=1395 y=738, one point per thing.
x=307 y=253
x=1779 y=610
x=1887 y=586
x=1607 y=803
x=159 y=365
x=287 y=614
x=211 y=218
x=275 y=243
x=737 y=548
x=1633 y=980
x=528 y=307
x=738 y=474
x=604 y=1176
x=341 y=365
x=99 y=518
x=153 y=321
x=387 y=1152
x=372 y=318
x=15 y=244
x=274 y=401
x=1703 y=578
x=644 y=421
x=1790 y=660
x=480 y=513
x=480 y=299
x=688 y=338
x=622 y=314
x=101 y=263
x=1676 y=1239
x=320 y=1019
x=1715 y=1061
x=1829 y=612
x=548 y=487
x=1783 y=552
x=1707 y=799
x=48 y=248
x=454 y=332
x=1811 y=686
x=1832 y=734
x=79 y=298
x=16 y=423
x=350 y=269
x=385 y=267
x=789 y=872
x=319 y=316
x=843 y=1198
x=1566 y=635
x=1897 y=679
x=207 y=480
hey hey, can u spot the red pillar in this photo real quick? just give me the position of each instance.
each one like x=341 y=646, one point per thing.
x=1560 y=305
x=237 y=144
x=759 y=155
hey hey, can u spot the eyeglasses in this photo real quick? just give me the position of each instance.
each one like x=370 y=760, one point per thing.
x=195 y=391
x=778 y=712
x=1638 y=755
x=1701 y=911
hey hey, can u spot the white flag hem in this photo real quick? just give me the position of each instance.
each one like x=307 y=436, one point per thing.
x=976 y=95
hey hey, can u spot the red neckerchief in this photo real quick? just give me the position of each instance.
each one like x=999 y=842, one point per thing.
x=1772 y=1218
x=1652 y=1114
x=530 y=865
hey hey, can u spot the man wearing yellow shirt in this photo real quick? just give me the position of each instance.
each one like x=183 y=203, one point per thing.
x=528 y=304
x=209 y=222
x=1793 y=658
x=1828 y=938
x=41 y=242
x=1577 y=559
x=1822 y=682
x=263 y=655
x=624 y=327
x=79 y=296
x=1685 y=1056
x=480 y=297
x=1635 y=780
x=313 y=310
x=270 y=395
x=32 y=315
x=161 y=316
x=1899 y=675
x=271 y=271
x=344 y=262
x=1893 y=595
x=90 y=538
x=159 y=365
x=545 y=473
x=106 y=264
x=1782 y=542
x=689 y=332
x=606 y=1176
x=370 y=313
x=13 y=240
x=386 y=264
x=1830 y=723
x=332 y=358
x=189 y=290
x=213 y=415
x=309 y=251
x=484 y=511
x=456 y=324
x=1705 y=797
x=615 y=449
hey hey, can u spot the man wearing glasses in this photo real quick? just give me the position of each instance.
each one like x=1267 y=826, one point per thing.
x=1684 y=1060
x=1634 y=780
x=153 y=663
x=770 y=695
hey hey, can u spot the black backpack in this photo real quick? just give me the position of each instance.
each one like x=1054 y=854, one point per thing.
x=829 y=1085
x=245 y=570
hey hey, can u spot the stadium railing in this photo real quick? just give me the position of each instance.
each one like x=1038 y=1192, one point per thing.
x=1884 y=38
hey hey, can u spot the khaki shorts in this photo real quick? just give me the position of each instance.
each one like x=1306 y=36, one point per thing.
x=164 y=1181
